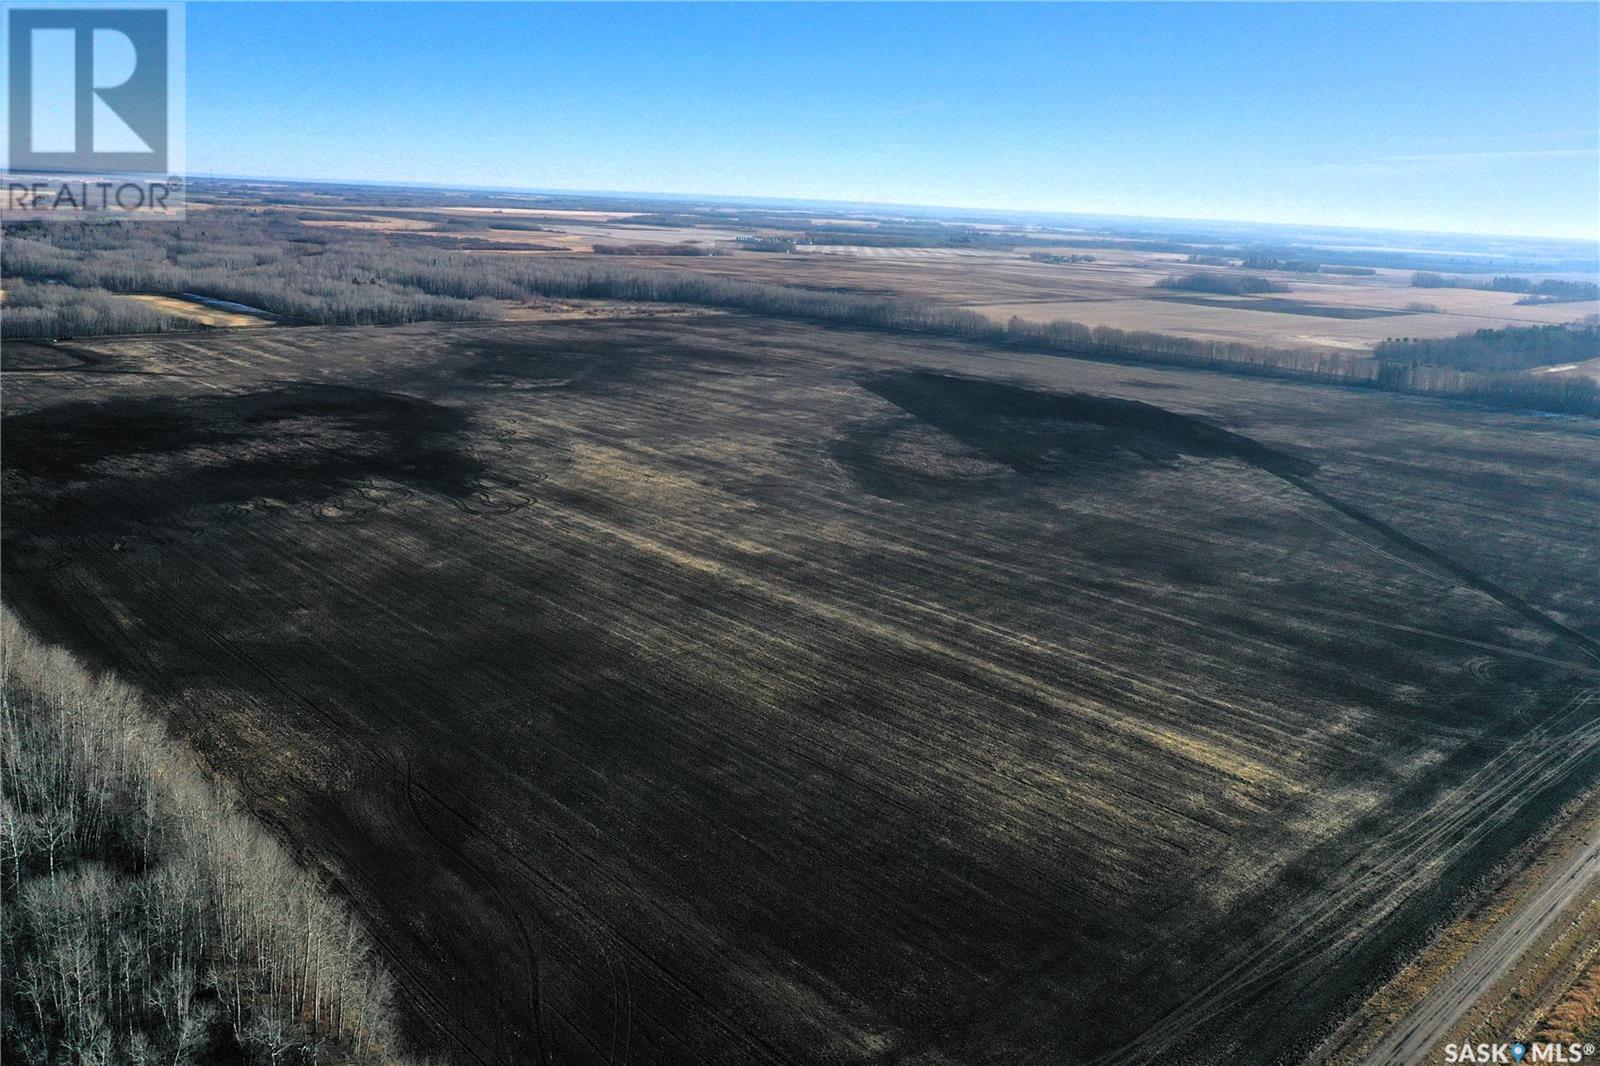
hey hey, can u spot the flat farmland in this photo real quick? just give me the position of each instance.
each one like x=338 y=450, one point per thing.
x=1350 y=314
x=718 y=689
x=1328 y=311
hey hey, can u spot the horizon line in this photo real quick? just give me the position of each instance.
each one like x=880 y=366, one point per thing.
x=1593 y=240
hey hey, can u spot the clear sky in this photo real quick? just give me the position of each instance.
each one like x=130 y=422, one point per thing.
x=1459 y=117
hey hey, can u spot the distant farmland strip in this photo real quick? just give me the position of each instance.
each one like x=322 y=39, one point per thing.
x=1287 y=307
x=351 y=278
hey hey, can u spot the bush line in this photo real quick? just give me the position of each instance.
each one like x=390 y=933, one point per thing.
x=343 y=277
x=147 y=919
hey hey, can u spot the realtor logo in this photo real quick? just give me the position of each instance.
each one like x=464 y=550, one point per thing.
x=93 y=91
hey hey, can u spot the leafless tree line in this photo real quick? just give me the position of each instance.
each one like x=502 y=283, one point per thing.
x=1512 y=348
x=147 y=919
x=42 y=311
x=653 y=249
x=344 y=277
x=1225 y=284
x=1549 y=290
x=1427 y=375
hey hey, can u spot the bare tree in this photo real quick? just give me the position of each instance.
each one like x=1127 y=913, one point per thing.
x=145 y=914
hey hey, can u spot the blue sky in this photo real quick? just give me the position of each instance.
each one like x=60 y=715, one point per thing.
x=1475 y=117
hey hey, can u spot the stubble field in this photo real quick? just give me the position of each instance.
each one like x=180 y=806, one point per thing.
x=725 y=690
x=1343 y=313
x=1348 y=314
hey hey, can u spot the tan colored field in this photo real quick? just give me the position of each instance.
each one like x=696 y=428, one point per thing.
x=615 y=232
x=1242 y=322
x=385 y=223
x=521 y=242
x=197 y=312
x=572 y=231
x=519 y=212
x=1590 y=369
x=1117 y=289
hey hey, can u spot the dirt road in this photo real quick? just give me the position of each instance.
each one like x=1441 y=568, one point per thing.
x=1571 y=880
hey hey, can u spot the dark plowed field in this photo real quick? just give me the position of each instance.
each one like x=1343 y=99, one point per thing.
x=720 y=690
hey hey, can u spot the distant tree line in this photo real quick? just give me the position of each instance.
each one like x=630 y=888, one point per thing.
x=668 y=219
x=1051 y=257
x=1431 y=374
x=351 y=277
x=1129 y=244
x=471 y=242
x=1224 y=284
x=44 y=311
x=1259 y=262
x=147 y=921
x=1560 y=393
x=1302 y=266
x=336 y=216
x=870 y=239
x=308 y=274
x=653 y=249
x=911 y=235
x=1145 y=346
x=1550 y=290
x=1514 y=348
x=783 y=245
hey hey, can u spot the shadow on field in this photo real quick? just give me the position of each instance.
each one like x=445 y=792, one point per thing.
x=1033 y=433
x=84 y=474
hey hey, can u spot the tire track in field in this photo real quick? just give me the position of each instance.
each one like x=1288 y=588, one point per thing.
x=383 y=765
x=1431 y=1020
x=599 y=933
x=1411 y=846
x=1464 y=813
x=1486 y=665
x=409 y=788
x=1424 y=842
x=1470 y=810
x=1466 y=576
x=622 y=943
x=439 y=1015
x=1457 y=571
x=420 y=992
